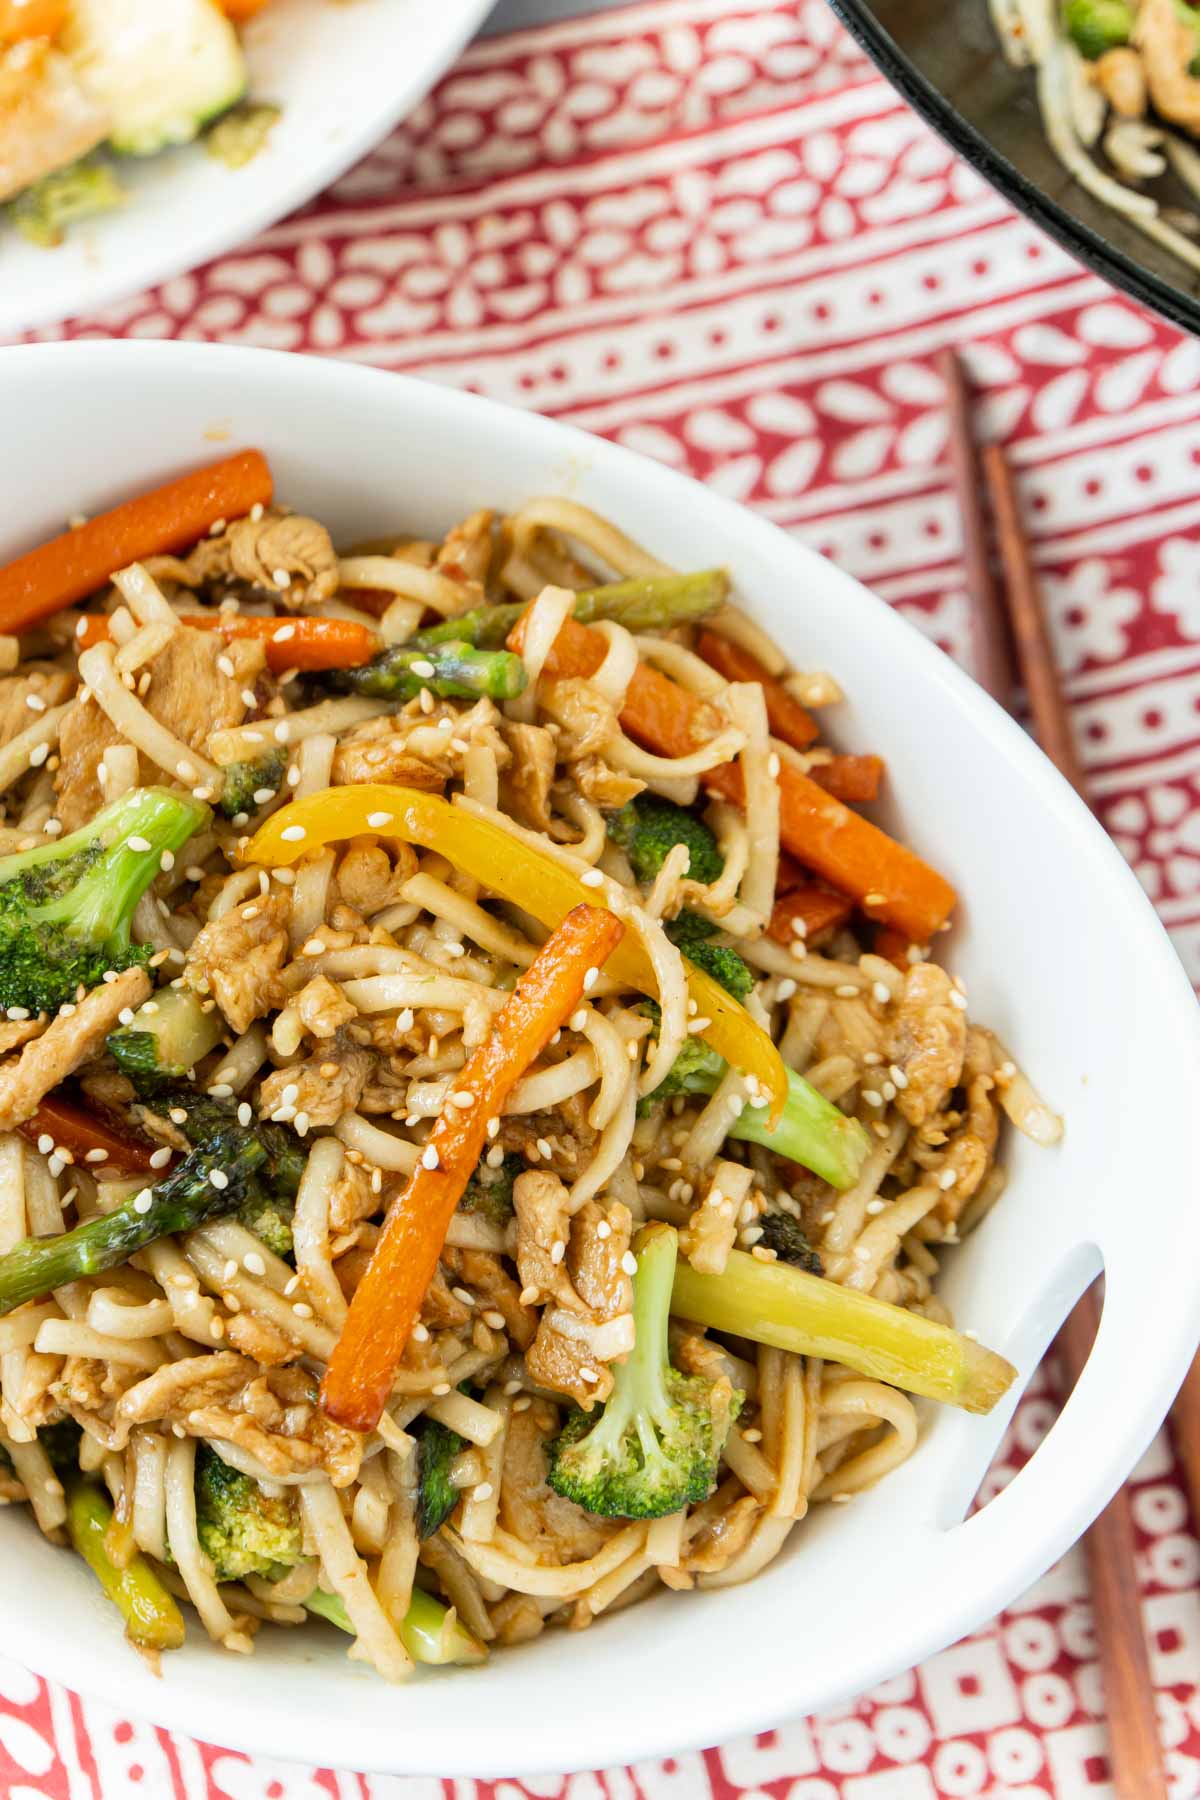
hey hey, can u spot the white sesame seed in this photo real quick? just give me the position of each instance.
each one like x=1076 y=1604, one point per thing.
x=494 y=1157
x=440 y=1387
x=262 y=795
x=314 y=947
x=898 y=1076
x=426 y=700
x=959 y=1000
x=45 y=1143
x=872 y=1098
x=947 y=1179
x=603 y=1230
x=544 y=1149
x=425 y=669
x=144 y=1201
x=301 y=1123
x=158 y=1158
x=404 y=1020
x=578 y=1019
x=594 y=878
x=462 y=1097
x=590 y=978
x=302 y=1309
x=281 y=578
x=882 y=992
x=283 y=731
x=785 y=989
x=254 y=1263
x=219 y=1179
x=557 y=1251
x=493 y=1320
x=773 y=766
x=429 y=1157
x=244 y=1114
x=35 y=703
x=493 y=1128
x=875 y=1206
x=446 y=725
x=377 y=820
x=256 y=511
x=137 y=842
x=17 y=1013
x=629 y=1263
x=38 y=755
x=483 y=1491
x=293 y=834
x=290 y=1286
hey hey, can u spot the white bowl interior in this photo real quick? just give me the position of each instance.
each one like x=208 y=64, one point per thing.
x=1061 y=954
x=343 y=77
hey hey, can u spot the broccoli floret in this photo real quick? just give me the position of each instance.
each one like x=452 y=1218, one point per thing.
x=60 y=1441
x=65 y=197
x=1096 y=26
x=245 y=779
x=437 y=1496
x=267 y=1207
x=649 y=827
x=168 y=1037
x=786 y=1237
x=65 y=908
x=242 y=1530
x=489 y=1192
x=693 y=935
x=657 y=1443
x=812 y=1131
x=239 y=135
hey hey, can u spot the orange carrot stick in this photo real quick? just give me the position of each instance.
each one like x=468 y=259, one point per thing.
x=888 y=880
x=817 y=909
x=362 y=1368
x=31 y=19
x=170 y=518
x=854 y=779
x=79 y=1131
x=291 y=643
x=786 y=717
x=894 y=946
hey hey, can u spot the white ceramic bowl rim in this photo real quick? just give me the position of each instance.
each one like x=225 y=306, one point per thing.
x=809 y=1634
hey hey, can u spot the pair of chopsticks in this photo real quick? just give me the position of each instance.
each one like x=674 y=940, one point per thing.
x=1010 y=642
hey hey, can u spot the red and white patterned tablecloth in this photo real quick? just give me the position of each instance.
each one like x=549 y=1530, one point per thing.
x=707 y=229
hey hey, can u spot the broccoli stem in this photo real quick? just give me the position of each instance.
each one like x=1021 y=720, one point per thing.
x=773 y=1303
x=454 y=670
x=812 y=1131
x=429 y=1631
x=186 y=1198
x=644 y=603
x=152 y=1619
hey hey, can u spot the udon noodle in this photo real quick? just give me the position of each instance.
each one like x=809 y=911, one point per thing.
x=342 y=990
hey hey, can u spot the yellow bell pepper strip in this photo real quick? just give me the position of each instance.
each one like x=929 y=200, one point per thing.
x=774 y=1303
x=526 y=877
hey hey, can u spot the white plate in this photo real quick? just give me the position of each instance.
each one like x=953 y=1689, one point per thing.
x=1060 y=951
x=344 y=74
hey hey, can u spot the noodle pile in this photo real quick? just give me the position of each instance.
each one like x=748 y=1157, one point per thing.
x=351 y=988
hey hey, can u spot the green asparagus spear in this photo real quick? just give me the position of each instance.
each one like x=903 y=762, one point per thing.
x=214 y=1179
x=454 y=670
x=152 y=1619
x=430 y=1632
x=774 y=1303
x=644 y=603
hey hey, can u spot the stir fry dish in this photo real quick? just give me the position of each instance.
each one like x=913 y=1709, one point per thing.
x=480 y=1109
x=87 y=83
x=1118 y=84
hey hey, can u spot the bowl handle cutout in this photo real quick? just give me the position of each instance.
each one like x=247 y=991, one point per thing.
x=979 y=1440
x=1136 y=1364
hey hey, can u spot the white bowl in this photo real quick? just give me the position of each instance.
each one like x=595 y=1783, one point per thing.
x=1061 y=953
x=344 y=76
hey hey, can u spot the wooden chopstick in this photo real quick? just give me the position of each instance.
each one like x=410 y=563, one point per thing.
x=991 y=640
x=1110 y=1547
